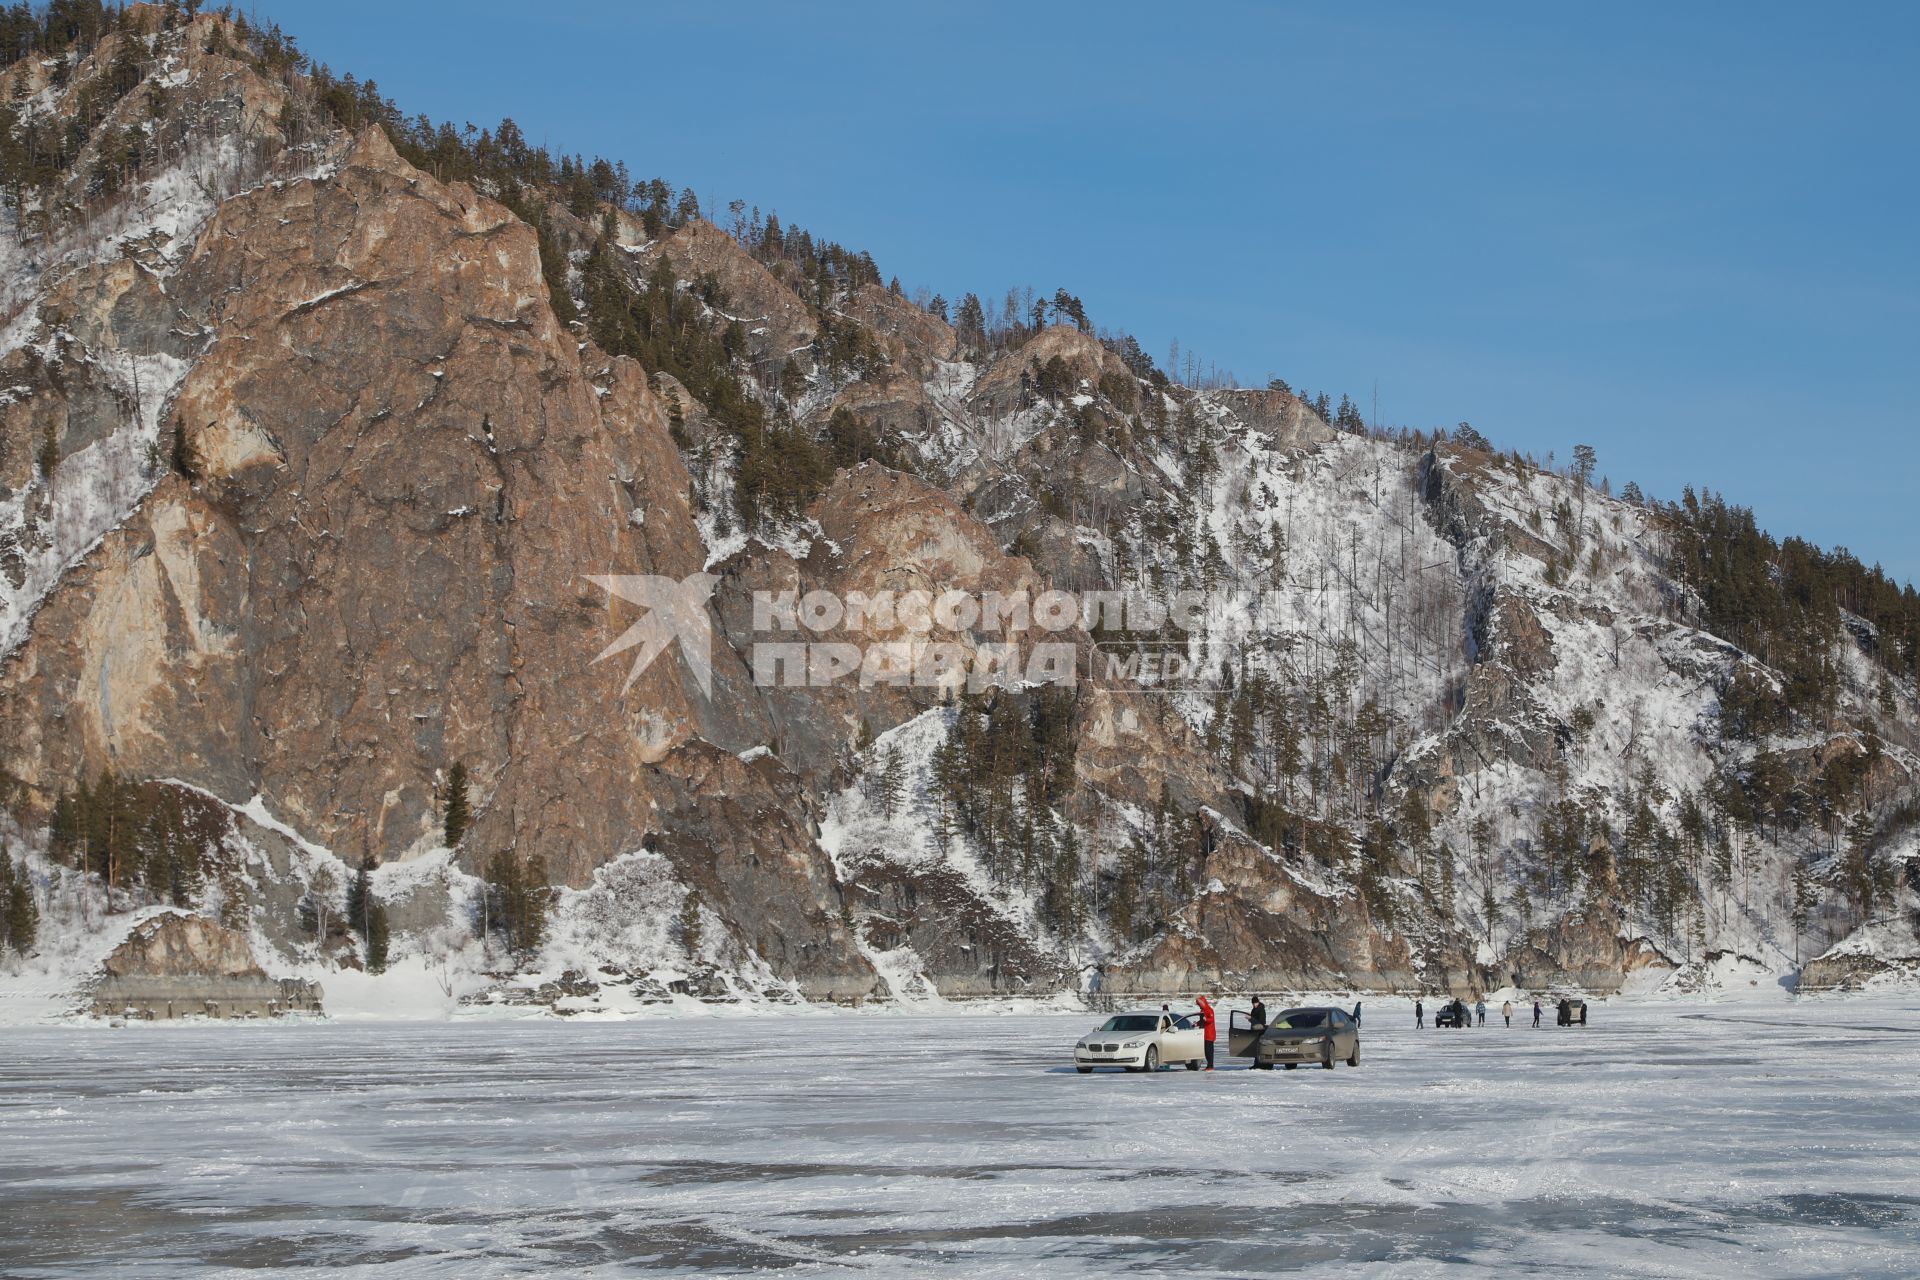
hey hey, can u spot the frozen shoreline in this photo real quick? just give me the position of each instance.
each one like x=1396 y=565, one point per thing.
x=420 y=999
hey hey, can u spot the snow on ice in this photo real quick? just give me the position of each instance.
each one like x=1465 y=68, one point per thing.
x=1667 y=1139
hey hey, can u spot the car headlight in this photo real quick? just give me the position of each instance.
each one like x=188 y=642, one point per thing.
x=1135 y=1044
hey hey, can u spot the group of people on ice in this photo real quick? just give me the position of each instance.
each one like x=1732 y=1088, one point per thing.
x=1479 y=1012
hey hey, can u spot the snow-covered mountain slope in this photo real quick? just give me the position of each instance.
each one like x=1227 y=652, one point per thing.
x=320 y=425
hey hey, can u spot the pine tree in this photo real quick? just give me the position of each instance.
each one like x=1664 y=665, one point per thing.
x=519 y=899
x=19 y=914
x=1723 y=863
x=367 y=915
x=537 y=905
x=1287 y=731
x=1585 y=461
x=886 y=781
x=377 y=937
x=971 y=321
x=1696 y=925
x=359 y=894
x=1063 y=885
x=949 y=774
x=1522 y=908
x=1858 y=867
x=66 y=837
x=690 y=925
x=457 y=816
x=1068 y=306
x=1802 y=909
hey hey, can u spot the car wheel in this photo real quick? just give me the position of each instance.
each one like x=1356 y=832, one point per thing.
x=1354 y=1061
x=1085 y=1071
x=1152 y=1061
x=1289 y=1065
x=1326 y=1059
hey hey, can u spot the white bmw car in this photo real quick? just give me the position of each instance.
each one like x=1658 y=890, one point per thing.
x=1142 y=1042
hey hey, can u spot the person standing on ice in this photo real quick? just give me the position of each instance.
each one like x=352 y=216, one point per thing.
x=1356 y=1013
x=1536 y=1013
x=1480 y=1008
x=1257 y=1016
x=1419 y=1014
x=1506 y=1011
x=1206 y=1027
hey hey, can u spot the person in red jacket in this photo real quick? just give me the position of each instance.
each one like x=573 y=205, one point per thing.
x=1206 y=1027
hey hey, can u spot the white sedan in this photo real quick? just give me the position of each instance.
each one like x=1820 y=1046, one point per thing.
x=1141 y=1042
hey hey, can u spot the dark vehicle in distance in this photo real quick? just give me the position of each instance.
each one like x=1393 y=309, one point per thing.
x=1454 y=1013
x=1294 y=1036
x=1572 y=1013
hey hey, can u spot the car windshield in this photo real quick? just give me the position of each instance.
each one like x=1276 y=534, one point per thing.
x=1299 y=1020
x=1132 y=1022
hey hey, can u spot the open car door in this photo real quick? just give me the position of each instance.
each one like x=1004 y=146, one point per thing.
x=1346 y=1034
x=1242 y=1038
x=1181 y=1039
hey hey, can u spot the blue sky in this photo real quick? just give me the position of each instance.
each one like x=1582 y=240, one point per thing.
x=1683 y=234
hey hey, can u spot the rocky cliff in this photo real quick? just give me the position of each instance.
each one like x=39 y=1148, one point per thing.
x=310 y=494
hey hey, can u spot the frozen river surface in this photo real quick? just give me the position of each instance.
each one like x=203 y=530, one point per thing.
x=1662 y=1140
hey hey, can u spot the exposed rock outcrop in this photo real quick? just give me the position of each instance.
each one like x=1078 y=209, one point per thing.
x=177 y=966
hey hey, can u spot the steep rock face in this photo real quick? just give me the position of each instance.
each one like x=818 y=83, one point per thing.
x=364 y=455
x=136 y=664
x=1586 y=952
x=1281 y=421
x=962 y=945
x=1861 y=970
x=776 y=323
x=886 y=534
x=882 y=535
x=913 y=338
x=91 y=346
x=183 y=946
x=401 y=471
x=1082 y=357
x=1267 y=933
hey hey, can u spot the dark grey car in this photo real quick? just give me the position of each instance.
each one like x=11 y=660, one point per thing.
x=1310 y=1034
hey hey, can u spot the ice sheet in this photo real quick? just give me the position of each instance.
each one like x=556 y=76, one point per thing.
x=1675 y=1139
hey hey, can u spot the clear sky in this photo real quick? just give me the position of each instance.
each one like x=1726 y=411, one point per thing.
x=1684 y=234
